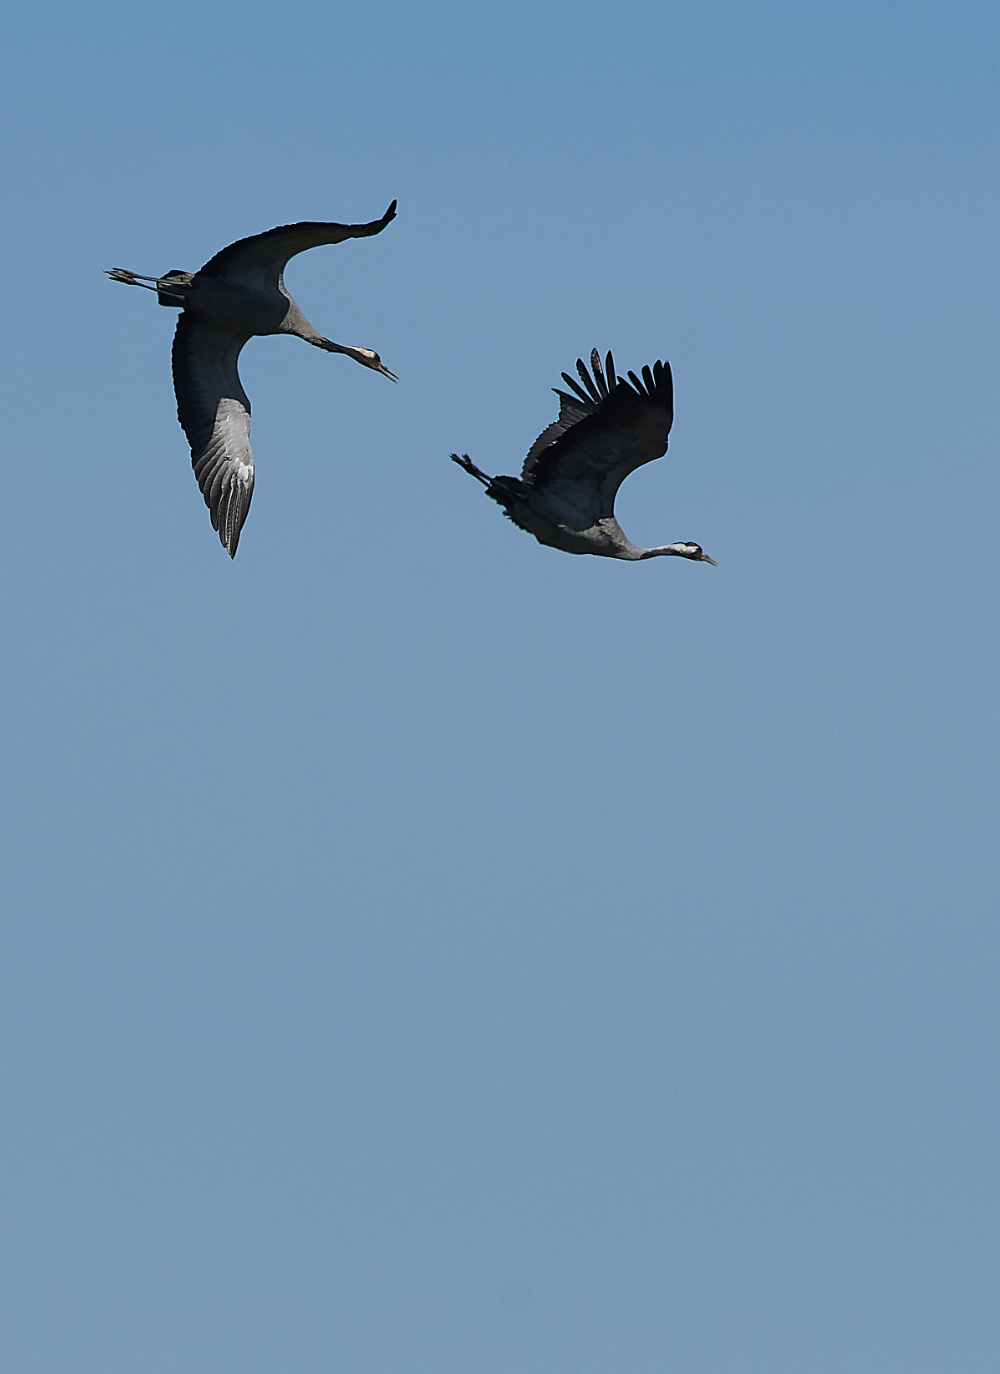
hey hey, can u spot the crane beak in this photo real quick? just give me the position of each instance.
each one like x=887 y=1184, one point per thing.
x=381 y=367
x=705 y=559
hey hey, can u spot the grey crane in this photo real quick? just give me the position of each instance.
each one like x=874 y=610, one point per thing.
x=566 y=493
x=237 y=294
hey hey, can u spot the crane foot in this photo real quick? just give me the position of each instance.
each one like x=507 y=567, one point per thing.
x=466 y=462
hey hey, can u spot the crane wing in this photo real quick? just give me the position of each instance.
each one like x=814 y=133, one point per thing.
x=576 y=466
x=573 y=408
x=260 y=260
x=571 y=412
x=215 y=415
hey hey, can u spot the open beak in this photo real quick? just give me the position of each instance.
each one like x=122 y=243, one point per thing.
x=381 y=367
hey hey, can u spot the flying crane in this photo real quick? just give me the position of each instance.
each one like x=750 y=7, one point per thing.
x=566 y=493
x=237 y=294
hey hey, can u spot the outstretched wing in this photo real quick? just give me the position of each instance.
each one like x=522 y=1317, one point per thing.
x=576 y=466
x=261 y=259
x=215 y=415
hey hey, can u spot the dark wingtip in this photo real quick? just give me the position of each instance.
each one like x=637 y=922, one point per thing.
x=598 y=371
x=588 y=381
x=376 y=226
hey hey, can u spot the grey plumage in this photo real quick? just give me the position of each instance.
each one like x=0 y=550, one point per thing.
x=606 y=429
x=239 y=293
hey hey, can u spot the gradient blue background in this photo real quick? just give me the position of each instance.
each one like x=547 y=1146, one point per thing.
x=425 y=952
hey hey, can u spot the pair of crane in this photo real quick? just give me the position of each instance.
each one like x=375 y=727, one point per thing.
x=565 y=495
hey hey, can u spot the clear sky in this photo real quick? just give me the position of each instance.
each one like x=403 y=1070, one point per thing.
x=425 y=952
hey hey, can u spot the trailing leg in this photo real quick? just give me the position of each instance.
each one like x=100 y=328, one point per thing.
x=466 y=462
x=130 y=278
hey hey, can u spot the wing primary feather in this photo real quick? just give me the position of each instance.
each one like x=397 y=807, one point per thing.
x=581 y=367
x=233 y=513
x=637 y=384
x=215 y=492
x=598 y=371
x=577 y=388
x=609 y=364
x=647 y=377
x=584 y=407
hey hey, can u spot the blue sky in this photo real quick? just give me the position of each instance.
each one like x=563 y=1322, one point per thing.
x=425 y=952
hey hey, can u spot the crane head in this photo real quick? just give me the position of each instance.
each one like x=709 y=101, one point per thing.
x=683 y=550
x=370 y=358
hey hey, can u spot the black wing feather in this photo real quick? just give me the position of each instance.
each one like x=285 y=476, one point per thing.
x=575 y=386
x=571 y=412
x=595 y=363
x=588 y=381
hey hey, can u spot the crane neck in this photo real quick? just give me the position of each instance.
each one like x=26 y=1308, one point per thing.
x=296 y=323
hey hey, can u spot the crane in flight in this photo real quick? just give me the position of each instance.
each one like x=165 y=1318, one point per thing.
x=237 y=294
x=566 y=493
